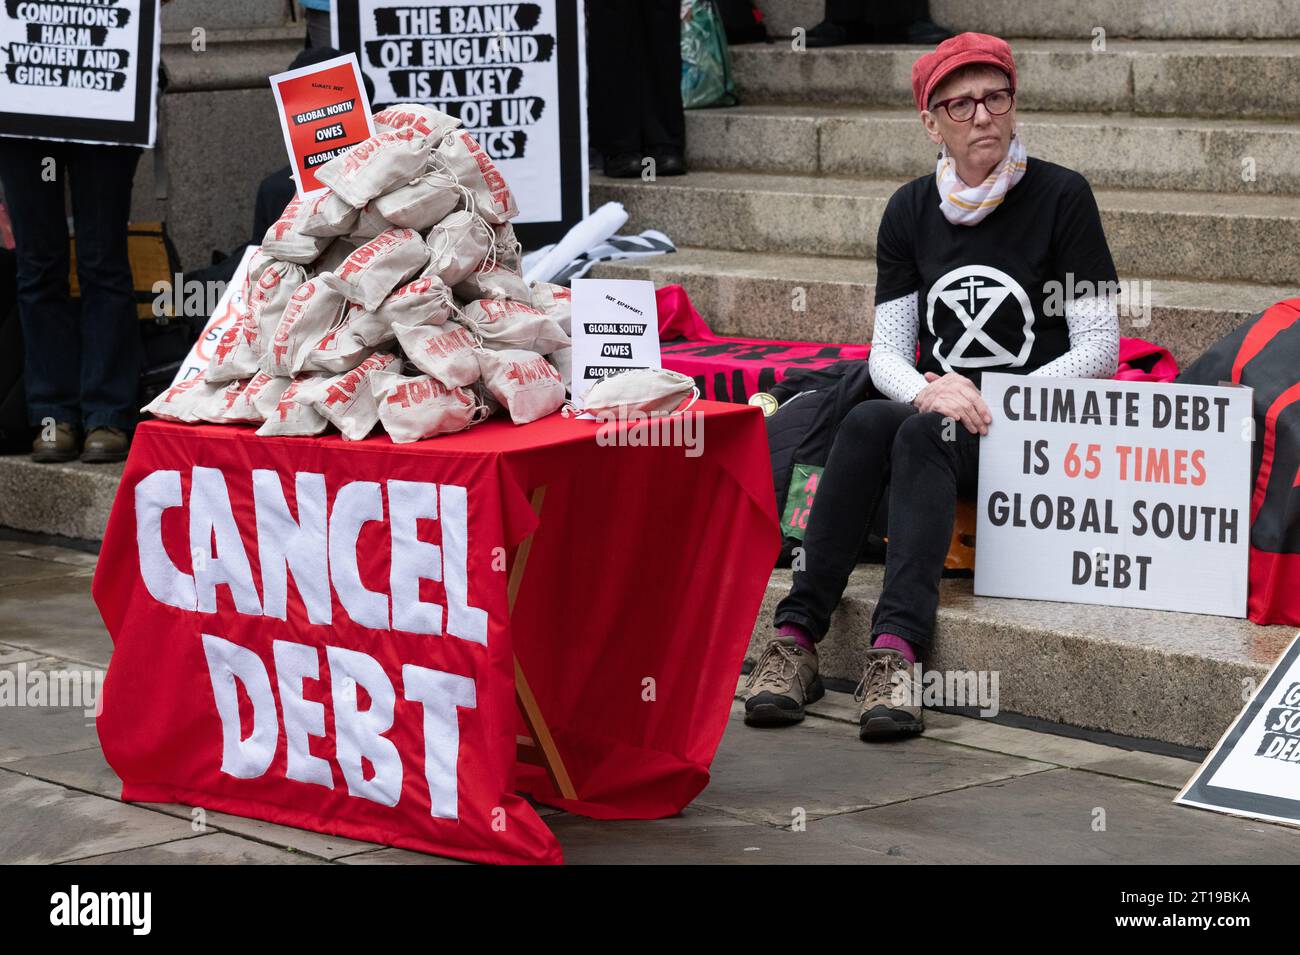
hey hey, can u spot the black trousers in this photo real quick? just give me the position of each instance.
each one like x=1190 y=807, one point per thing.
x=634 y=61
x=926 y=460
x=82 y=367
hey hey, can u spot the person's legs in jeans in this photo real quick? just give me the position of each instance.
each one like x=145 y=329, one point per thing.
x=848 y=494
x=933 y=460
x=101 y=178
x=34 y=174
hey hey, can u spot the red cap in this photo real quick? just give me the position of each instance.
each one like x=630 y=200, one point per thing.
x=955 y=52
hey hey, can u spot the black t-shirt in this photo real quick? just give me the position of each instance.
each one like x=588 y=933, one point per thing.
x=993 y=295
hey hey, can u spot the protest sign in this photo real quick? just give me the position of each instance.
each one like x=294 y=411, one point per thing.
x=1254 y=770
x=323 y=111
x=513 y=73
x=79 y=72
x=331 y=634
x=1133 y=494
x=229 y=307
x=615 y=327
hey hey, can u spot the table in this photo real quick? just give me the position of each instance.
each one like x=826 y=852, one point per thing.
x=327 y=634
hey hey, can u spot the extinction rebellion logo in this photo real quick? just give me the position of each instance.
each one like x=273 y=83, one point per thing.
x=975 y=295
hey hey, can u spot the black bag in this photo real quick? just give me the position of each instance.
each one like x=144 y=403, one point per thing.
x=800 y=434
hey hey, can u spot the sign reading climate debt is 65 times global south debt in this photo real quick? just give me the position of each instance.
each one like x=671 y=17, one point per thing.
x=79 y=71
x=513 y=73
x=1134 y=494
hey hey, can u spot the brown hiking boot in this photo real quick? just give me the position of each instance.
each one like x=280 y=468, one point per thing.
x=781 y=683
x=886 y=693
x=58 y=443
x=104 y=445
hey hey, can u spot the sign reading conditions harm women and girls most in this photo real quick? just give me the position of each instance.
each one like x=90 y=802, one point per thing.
x=512 y=73
x=1133 y=494
x=78 y=71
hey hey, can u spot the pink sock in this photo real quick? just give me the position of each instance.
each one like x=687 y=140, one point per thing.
x=800 y=635
x=889 y=641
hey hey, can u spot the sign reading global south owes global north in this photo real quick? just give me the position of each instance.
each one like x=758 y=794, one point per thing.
x=615 y=328
x=1134 y=494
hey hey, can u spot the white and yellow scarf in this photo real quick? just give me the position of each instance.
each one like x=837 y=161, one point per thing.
x=967 y=205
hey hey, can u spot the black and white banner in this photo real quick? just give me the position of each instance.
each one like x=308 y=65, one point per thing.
x=513 y=73
x=79 y=70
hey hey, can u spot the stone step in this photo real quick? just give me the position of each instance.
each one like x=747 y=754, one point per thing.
x=1178 y=19
x=66 y=500
x=1205 y=236
x=752 y=294
x=1114 y=151
x=1173 y=677
x=1190 y=78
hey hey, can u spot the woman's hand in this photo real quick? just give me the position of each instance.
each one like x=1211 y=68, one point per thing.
x=955 y=396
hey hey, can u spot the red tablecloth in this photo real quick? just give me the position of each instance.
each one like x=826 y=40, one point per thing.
x=271 y=660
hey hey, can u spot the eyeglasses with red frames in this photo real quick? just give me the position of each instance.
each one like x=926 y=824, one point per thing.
x=961 y=109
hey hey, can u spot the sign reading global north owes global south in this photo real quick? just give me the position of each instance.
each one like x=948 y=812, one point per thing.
x=1134 y=494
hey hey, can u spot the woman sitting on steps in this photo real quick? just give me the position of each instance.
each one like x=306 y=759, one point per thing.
x=967 y=262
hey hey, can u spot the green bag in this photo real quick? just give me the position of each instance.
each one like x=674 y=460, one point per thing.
x=706 y=62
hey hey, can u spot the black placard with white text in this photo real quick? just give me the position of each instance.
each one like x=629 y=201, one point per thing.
x=77 y=71
x=513 y=73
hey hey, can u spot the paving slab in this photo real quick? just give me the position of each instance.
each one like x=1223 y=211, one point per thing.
x=319 y=844
x=391 y=856
x=10 y=655
x=44 y=823
x=16 y=570
x=1043 y=746
x=55 y=616
x=218 y=848
x=1049 y=817
x=770 y=774
x=701 y=837
x=84 y=769
x=36 y=729
x=50 y=552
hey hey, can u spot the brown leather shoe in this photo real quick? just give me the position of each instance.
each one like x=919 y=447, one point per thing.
x=55 y=444
x=781 y=683
x=104 y=445
x=890 y=704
